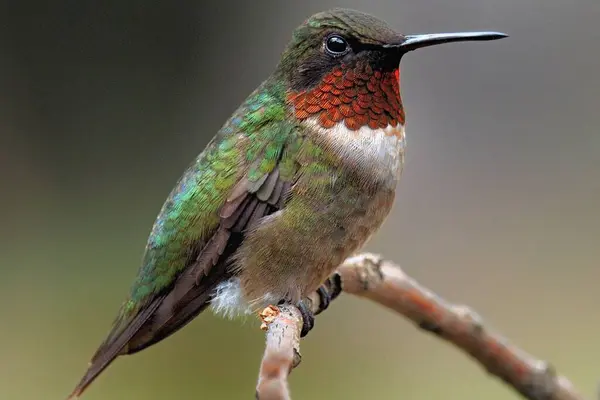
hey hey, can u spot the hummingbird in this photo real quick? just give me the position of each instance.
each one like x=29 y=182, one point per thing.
x=299 y=178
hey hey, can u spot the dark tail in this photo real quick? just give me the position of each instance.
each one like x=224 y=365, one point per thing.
x=159 y=320
x=113 y=346
x=167 y=313
x=92 y=373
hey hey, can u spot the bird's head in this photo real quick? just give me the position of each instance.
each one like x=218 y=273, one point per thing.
x=343 y=65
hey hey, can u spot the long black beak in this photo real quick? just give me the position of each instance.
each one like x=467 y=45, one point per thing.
x=413 y=42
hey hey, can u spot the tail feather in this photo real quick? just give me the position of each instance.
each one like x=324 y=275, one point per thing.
x=113 y=347
x=161 y=318
x=166 y=314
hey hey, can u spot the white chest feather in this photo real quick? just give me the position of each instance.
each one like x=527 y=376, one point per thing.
x=379 y=152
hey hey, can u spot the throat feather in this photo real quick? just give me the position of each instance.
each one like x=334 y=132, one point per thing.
x=356 y=96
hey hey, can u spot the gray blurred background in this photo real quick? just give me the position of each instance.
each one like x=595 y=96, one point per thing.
x=103 y=105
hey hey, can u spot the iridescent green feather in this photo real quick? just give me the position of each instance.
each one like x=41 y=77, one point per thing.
x=250 y=144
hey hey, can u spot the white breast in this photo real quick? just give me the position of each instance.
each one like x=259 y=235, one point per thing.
x=379 y=151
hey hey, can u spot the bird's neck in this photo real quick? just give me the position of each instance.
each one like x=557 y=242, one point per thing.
x=356 y=116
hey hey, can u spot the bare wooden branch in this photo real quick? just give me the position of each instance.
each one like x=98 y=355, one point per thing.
x=384 y=282
x=283 y=325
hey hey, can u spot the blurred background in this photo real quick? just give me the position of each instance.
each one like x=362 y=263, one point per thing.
x=103 y=105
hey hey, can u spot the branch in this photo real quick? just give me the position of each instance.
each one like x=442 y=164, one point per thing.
x=369 y=276
x=282 y=352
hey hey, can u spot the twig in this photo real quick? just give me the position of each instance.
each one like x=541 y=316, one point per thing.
x=282 y=354
x=384 y=282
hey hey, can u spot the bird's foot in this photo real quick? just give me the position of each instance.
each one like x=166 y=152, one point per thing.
x=328 y=291
x=308 y=318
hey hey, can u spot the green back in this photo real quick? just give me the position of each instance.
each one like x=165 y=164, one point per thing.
x=248 y=146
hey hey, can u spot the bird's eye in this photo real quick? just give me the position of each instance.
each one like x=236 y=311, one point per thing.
x=336 y=45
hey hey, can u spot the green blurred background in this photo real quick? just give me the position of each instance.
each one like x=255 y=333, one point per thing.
x=103 y=104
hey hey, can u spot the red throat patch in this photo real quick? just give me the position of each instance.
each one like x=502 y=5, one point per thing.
x=358 y=96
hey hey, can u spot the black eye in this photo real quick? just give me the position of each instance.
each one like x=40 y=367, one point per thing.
x=336 y=45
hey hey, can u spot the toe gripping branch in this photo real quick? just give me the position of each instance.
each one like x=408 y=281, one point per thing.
x=326 y=293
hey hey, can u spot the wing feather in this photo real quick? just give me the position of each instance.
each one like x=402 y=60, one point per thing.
x=164 y=311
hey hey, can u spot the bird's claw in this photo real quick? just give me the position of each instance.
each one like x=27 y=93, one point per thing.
x=328 y=291
x=308 y=318
x=324 y=298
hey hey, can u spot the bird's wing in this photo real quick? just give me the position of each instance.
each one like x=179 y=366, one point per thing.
x=243 y=175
